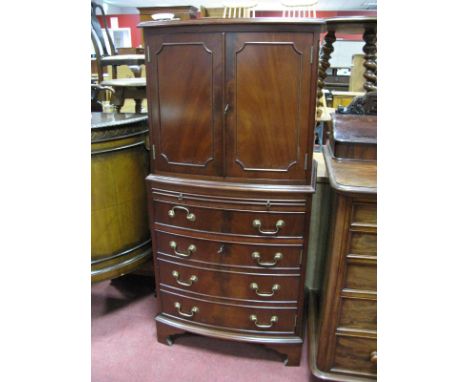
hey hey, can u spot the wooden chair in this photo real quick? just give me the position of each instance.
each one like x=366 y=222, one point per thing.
x=110 y=57
x=237 y=9
x=300 y=9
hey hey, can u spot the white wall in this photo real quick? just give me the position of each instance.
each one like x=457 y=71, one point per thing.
x=129 y=6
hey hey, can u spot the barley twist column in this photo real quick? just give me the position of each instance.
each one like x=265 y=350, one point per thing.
x=370 y=59
x=325 y=54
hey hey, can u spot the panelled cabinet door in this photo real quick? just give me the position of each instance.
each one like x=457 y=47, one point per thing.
x=184 y=85
x=268 y=92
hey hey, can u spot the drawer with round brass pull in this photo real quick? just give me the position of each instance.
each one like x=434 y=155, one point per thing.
x=228 y=315
x=210 y=252
x=229 y=284
x=249 y=223
x=356 y=354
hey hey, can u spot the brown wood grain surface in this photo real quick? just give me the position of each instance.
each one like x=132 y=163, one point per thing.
x=228 y=254
x=230 y=221
x=354 y=355
x=351 y=176
x=120 y=239
x=231 y=108
x=345 y=349
x=229 y=284
x=186 y=102
x=358 y=313
x=228 y=315
x=354 y=136
x=267 y=136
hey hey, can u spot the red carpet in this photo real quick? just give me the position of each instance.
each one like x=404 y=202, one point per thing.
x=124 y=346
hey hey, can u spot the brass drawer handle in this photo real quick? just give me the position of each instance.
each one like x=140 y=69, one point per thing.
x=275 y=287
x=256 y=256
x=190 y=216
x=192 y=311
x=192 y=279
x=191 y=248
x=373 y=357
x=258 y=224
x=273 y=320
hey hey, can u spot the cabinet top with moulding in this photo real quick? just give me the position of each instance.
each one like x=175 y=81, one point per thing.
x=316 y=24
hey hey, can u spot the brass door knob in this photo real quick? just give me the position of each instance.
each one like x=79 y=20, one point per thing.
x=373 y=357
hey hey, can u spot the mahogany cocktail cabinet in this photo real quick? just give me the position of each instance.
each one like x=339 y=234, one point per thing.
x=232 y=113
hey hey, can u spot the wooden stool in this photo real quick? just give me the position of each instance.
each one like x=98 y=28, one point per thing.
x=134 y=88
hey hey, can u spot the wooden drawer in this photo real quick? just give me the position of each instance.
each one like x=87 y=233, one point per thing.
x=270 y=224
x=361 y=276
x=363 y=243
x=358 y=313
x=229 y=284
x=364 y=213
x=228 y=201
x=225 y=315
x=354 y=354
x=254 y=256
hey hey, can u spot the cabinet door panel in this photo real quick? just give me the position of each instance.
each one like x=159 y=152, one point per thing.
x=185 y=91
x=268 y=86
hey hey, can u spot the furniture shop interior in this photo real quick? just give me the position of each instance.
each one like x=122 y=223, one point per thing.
x=233 y=190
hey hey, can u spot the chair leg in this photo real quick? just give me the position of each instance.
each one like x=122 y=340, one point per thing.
x=138 y=103
x=136 y=70
x=100 y=73
x=118 y=99
x=114 y=72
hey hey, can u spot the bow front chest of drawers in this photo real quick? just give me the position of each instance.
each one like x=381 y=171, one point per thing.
x=232 y=113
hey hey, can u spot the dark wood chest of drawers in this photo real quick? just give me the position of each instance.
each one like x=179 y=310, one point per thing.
x=345 y=347
x=232 y=108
